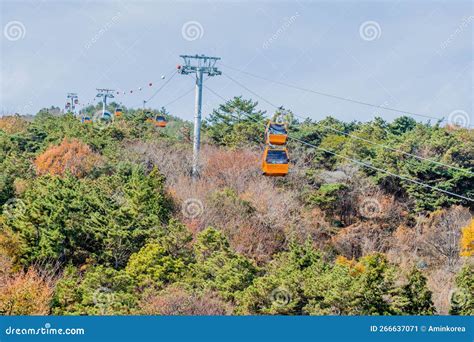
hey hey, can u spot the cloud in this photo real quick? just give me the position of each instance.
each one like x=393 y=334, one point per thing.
x=320 y=48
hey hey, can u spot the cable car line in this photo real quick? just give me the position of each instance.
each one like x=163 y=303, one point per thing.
x=355 y=136
x=335 y=96
x=164 y=85
x=385 y=171
x=365 y=164
x=179 y=97
x=400 y=151
x=249 y=90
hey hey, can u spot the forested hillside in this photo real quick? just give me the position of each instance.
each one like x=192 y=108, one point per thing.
x=104 y=218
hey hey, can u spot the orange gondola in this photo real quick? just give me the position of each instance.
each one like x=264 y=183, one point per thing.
x=86 y=119
x=276 y=133
x=118 y=112
x=275 y=161
x=160 y=121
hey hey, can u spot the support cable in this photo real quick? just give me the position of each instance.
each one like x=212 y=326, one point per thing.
x=364 y=164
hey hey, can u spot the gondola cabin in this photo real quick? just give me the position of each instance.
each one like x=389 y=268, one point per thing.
x=86 y=119
x=118 y=112
x=275 y=161
x=106 y=116
x=160 y=121
x=276 y=133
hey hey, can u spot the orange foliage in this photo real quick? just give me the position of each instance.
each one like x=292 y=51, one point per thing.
x=13 y=124
x=356 y=267
x=467 y=240
x=25 y=293
x=70 y=156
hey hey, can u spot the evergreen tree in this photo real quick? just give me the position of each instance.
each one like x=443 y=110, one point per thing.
x=462 y=297
x=218 y=268
x=401 y=125
x=414 y=298
x=236 y=123
x=280 y=290
x=154 y=266
x=375 y=285
x=107 y=219
x=100 y=291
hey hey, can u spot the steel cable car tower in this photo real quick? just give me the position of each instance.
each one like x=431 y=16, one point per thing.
x=104 y=94
x=74 y=100
x=199 y=65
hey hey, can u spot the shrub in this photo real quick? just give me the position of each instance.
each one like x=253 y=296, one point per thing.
x=175 y=300
x=462 y=297
x=13 y=124
x=153 y=265
x=99 y=291
x=70 y=156
x=26 y=293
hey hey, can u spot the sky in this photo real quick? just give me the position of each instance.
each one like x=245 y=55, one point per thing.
x=414 y=55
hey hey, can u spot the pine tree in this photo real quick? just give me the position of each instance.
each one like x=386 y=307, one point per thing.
x=218 y=268
x=236 y=123
x=375 y=285
x=462 y=298
x=414 y=298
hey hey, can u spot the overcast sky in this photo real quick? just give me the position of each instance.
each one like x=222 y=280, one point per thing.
x=412 y=55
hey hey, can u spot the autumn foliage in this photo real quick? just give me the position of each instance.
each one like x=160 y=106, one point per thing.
x=70 y=156
x=125 y=229
x=13 y=124
x=26 y=293
x=467 y=240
